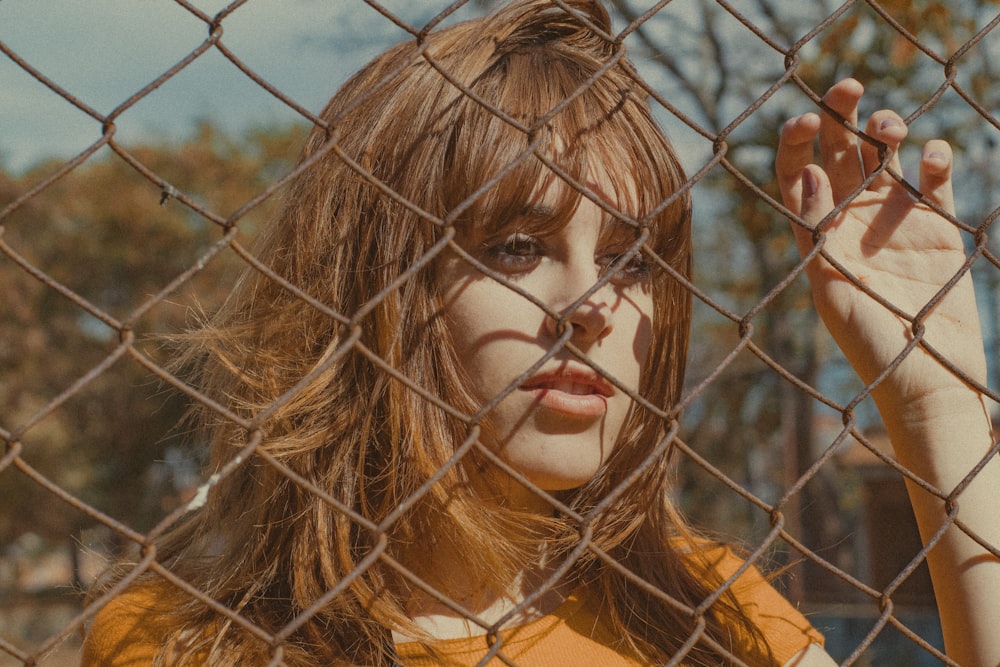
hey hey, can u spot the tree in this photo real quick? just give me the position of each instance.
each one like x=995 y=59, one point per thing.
x=723 y=72
x=106 y=236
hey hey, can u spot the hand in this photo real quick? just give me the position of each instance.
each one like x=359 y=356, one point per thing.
x=898 y=248
x=905 y=253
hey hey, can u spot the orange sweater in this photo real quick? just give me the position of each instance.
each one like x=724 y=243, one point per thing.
x=128 y=633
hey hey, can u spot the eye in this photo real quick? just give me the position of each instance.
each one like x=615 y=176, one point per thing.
x=517 y=253
x=629 y=268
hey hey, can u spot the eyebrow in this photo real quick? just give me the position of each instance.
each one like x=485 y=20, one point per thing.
x=533 y=218
x=612 y=229
x=537 y=212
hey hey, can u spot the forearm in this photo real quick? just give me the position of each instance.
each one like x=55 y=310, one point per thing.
x=906 y=253
x=942 y=436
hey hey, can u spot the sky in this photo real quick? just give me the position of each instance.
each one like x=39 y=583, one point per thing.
x=104 y=51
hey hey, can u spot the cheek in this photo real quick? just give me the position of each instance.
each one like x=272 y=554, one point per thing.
x=485 y=319
x=641 y=344
x=640 y=327
x=461 y=314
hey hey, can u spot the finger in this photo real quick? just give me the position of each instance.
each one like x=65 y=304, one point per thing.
x=935 y=174
x=888 y=128
x=817 y=202
x=795 y=151
x=838 y=144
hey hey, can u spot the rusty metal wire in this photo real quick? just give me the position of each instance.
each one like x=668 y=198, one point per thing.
x=795 y=79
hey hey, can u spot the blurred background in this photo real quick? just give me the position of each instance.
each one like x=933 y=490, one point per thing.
x=133 y=133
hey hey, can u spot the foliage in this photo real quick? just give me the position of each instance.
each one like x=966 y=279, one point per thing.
x=752 y=424
x=106 y=233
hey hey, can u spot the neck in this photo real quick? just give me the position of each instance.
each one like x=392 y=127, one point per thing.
x=463 y=605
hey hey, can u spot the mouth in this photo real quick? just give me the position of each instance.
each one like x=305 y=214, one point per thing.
x=571 y=393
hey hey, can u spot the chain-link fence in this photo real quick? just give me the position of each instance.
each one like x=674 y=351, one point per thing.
x=107 y=250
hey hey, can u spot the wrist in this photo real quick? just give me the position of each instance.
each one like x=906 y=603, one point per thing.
x=940 y=434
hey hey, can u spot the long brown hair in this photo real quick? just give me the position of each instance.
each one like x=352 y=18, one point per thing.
x=359 y=415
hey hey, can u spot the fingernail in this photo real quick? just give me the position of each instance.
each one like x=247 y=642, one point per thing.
x=887 y=123
x=935 y=155
x=809 y=183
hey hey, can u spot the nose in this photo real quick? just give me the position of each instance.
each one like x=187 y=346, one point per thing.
x=591 y=319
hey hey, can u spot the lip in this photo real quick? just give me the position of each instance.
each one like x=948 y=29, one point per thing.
x=571 y=392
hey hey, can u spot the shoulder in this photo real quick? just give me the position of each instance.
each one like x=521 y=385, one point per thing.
x=784 y=627
x=129 y=630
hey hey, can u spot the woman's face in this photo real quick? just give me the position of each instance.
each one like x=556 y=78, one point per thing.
x=557 y=427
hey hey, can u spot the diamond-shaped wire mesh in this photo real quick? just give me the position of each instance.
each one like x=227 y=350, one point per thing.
x=299 y=475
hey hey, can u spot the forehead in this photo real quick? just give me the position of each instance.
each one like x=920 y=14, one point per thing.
x=554 y=201
x=617 y=161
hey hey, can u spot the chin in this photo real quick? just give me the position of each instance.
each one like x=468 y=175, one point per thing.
x=555 y=484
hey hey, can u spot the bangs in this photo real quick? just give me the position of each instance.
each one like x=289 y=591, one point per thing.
x=603 y=144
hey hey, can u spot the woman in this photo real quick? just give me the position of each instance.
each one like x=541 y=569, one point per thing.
x=440 y=416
